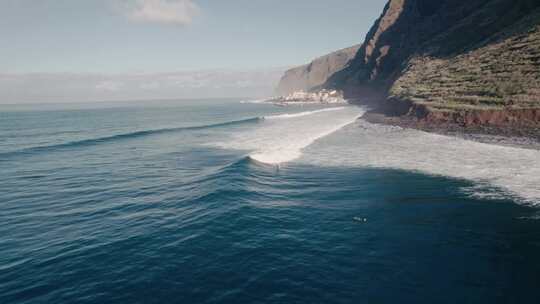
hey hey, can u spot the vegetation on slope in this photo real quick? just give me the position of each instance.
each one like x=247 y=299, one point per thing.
x=450 y=54
x=499 y=75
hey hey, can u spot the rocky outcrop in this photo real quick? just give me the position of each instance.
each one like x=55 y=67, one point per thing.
x=316 y=73
x=464 y=116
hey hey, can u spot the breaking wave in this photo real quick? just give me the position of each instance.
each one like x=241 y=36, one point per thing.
x=301 y=114
x=281 y=138
x=255 y=101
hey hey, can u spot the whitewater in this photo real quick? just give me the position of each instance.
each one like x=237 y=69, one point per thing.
x=280 y=138
x=329 y=137
x=337 y=137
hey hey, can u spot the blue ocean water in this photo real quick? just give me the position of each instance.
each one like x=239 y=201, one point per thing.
x=217 y=201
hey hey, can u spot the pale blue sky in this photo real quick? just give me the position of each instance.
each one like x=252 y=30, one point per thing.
x=85 y=50
x=101 y=36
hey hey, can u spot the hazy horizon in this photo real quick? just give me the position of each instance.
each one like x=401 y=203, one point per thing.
x=57 y=51
x=36 y=88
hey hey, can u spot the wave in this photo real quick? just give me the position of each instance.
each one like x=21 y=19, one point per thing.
x=124 y=136
x=497 y=171
x=301 y=114
x=281 y=138
x=255 y=101
x=292 y=149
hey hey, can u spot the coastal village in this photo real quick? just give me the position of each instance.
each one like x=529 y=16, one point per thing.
x=322 y=96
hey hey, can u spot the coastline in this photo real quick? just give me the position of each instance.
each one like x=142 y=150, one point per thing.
x=513 y=136
x=518 y=136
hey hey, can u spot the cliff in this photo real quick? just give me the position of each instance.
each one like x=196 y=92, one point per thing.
x=316 y=73
x=500 y=76
x=466 y=62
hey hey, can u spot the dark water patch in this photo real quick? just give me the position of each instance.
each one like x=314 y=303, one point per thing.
x=32 y=176
x=276 y=236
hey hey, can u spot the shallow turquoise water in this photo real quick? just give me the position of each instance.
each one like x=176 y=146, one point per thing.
x=135 y=203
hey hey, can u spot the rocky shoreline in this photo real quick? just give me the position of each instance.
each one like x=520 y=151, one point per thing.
x=507 y=135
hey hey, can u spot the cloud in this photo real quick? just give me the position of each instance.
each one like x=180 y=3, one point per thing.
x=150 y=86
x=175 y=12
x=109 y=86
x=83 y=87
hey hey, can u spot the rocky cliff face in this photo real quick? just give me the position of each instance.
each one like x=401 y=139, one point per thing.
x=503 y=74
x=452 y=56
x=411 y=28
x=316 y=73
x=467 y=62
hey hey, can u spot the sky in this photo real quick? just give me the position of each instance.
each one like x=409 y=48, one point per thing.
x=64 y=50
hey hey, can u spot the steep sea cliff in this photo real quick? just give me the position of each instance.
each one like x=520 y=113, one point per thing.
x=315 y=74
x=469 y=65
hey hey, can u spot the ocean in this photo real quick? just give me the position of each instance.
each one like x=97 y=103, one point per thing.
x=230 y=201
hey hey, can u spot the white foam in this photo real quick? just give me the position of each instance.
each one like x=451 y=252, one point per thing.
x=255 y=101
x=281 y=138
x=306 y=113
x=515 y=171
